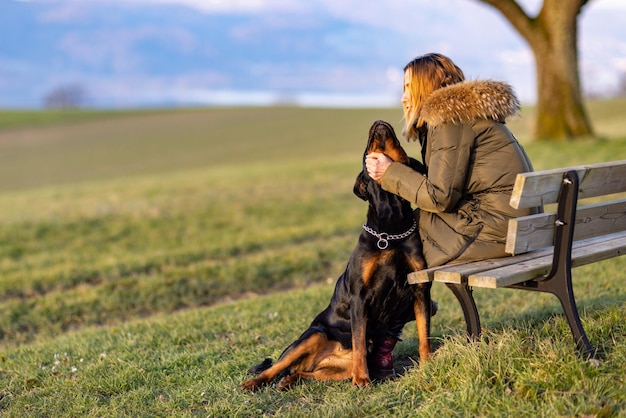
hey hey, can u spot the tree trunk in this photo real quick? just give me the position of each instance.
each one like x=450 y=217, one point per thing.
x=552 y=36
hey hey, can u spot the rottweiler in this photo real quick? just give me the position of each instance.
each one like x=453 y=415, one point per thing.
x=371 y=295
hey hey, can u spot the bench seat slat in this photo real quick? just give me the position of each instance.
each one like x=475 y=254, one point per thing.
x=528 y=233
x=428 y=275
x=457 y=273
x=542 y=187
x=538 y=267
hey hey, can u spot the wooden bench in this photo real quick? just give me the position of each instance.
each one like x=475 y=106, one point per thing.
x=545 y=246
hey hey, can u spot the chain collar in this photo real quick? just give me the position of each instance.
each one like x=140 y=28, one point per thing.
x=384 y=238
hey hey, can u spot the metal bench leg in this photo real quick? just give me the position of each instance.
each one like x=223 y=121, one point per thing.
x=566 y=297
x=464 y=295
x=561 y=286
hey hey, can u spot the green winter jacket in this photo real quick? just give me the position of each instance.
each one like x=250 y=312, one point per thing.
x=472 y=160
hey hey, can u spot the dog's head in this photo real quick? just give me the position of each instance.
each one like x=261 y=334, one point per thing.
x=382 y=138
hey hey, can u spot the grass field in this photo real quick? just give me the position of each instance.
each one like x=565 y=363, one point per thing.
x=148 y=258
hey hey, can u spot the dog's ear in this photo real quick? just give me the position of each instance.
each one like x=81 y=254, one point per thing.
x=360 y=185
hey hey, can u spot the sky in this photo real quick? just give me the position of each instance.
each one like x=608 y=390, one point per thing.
x=344 y=53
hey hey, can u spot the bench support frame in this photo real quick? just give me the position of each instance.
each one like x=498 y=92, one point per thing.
x=463 y=293
x=558 y=282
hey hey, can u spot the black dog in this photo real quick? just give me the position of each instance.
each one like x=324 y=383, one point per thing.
x=370 y=295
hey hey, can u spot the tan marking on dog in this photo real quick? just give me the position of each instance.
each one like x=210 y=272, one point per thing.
x=390 y=148
x=416 y=264
x=422 y=322
x=332 y=363
x=360 y=373
x=369 y=265
x=397 y=155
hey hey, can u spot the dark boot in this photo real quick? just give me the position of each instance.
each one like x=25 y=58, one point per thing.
x=381 y=360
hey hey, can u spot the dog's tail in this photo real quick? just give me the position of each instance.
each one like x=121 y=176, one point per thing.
x=261 y=367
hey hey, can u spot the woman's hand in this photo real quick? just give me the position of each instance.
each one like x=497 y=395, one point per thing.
x=376 y=164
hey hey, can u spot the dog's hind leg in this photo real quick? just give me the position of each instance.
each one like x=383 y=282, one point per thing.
x=299 y=356
x=333 y=363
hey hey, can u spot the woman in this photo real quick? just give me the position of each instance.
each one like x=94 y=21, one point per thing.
x=471 y=159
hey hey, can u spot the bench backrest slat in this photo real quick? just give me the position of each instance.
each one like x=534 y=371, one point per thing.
x=528 y=233
x=542 y=187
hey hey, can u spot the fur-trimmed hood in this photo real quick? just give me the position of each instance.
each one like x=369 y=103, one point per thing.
x=469 y=101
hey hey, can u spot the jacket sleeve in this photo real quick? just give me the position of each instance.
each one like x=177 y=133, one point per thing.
x=448 y=165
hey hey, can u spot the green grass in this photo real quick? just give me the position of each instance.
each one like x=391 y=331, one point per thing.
x=147 y=259
x=118 y=145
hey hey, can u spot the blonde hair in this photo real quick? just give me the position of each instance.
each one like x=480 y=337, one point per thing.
x=427 y=74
